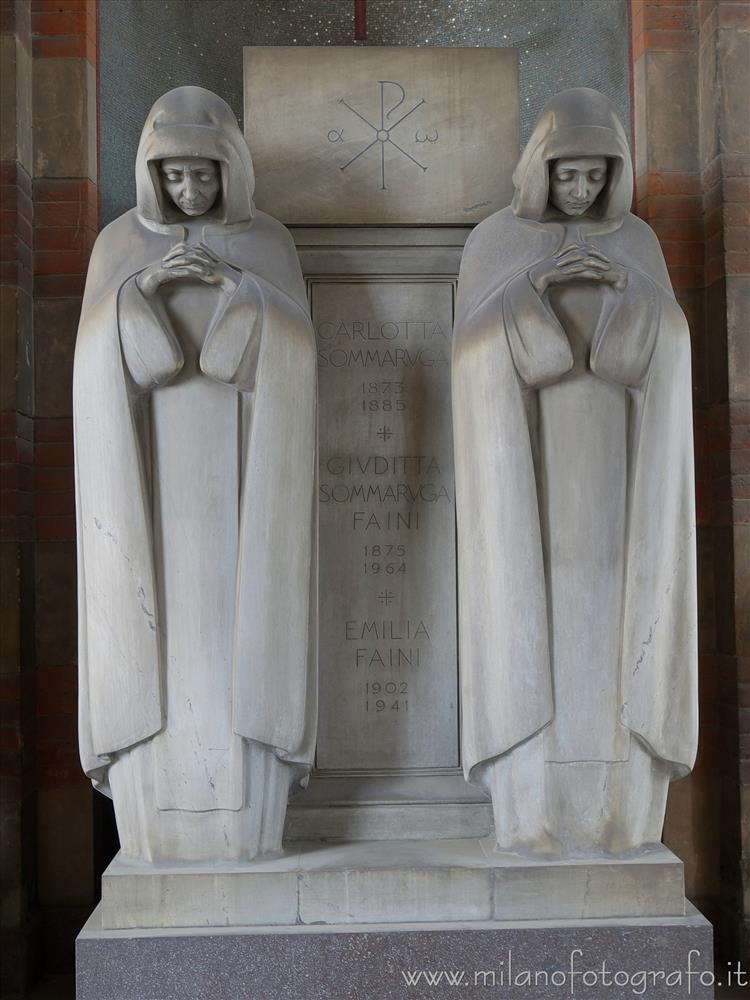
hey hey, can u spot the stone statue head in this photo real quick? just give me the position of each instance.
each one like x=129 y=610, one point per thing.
x=575 y=183
x=195 y=133
x=576 y=163
x=192 y=182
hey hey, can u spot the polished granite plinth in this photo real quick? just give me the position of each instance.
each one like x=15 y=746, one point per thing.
x=527 y=960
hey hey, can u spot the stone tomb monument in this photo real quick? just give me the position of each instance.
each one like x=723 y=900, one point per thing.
x=380 y=161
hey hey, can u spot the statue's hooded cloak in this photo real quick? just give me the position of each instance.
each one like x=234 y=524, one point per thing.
x=260 y=342
x=508 y=345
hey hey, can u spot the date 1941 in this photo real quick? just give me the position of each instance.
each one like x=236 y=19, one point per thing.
x=381 y=705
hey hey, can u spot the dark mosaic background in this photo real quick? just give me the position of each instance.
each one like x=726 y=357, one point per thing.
x=149 y=46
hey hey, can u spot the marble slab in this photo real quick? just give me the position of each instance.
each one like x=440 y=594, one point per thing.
x=389 y=881
x=394 y=800
x=345 y=135
x=387 y=590
x=362 y=806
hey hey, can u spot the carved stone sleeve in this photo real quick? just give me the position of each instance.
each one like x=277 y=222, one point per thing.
x=149 y=346
x=624 y=342
x=540 y=348
x=230 y=353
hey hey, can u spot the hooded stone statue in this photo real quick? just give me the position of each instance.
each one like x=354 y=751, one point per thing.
x=195 y=435
x=574 y=478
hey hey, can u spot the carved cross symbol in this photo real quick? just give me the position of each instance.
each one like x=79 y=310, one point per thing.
x=383 y=133
x=386 y=597
x=385 y=433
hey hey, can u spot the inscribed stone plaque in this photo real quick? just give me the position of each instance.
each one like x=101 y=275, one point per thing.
x=388 y=657
x=382 y=135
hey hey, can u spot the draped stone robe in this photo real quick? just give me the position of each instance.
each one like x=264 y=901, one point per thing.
x=195 y=454
x=195 y=429
x=572 y=421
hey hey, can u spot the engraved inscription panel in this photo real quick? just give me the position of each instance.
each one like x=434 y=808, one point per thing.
x=388 y=652
x=383 y=134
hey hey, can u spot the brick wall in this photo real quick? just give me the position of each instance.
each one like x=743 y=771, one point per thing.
x=17 y=794
x=49 y=221
x=724 y=151
x=692 y=132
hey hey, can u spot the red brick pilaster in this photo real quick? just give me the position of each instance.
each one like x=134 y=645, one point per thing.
x=693 y=165
x=725 y=175
x=17 y=799
x=49 y=219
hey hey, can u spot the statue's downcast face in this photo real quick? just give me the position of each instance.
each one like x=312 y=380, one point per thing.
x=192 y=183
x=575 y=183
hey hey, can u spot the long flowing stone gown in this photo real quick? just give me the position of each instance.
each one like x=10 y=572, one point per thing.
x=181 y=795
x=195 y=462
x=572 y=422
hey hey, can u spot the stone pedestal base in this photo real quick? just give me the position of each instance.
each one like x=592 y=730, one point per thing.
x=381 y=919
x=659 y=958
x=390 y=882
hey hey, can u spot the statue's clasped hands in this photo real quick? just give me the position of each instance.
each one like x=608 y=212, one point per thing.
x=577 y=262
x=186 y=261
